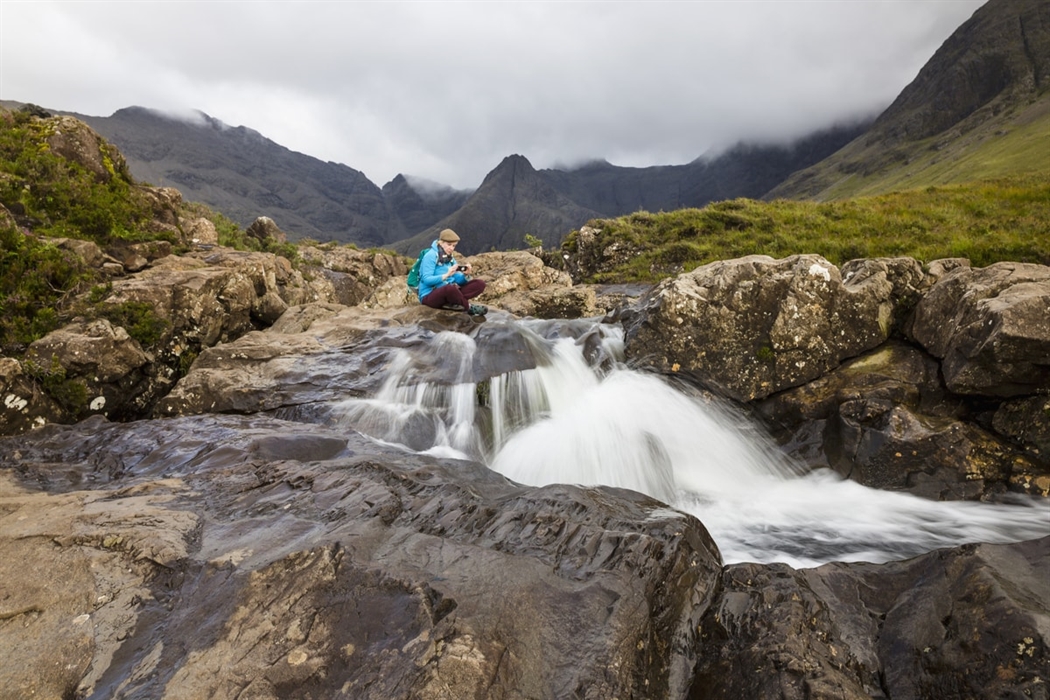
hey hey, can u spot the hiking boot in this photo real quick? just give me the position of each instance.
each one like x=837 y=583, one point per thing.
x=477 y=310
x=452 y=307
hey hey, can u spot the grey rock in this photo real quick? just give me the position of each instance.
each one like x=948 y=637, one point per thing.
x=990 y=327
x=886 y=420
x=753 y=326
x=970 y=622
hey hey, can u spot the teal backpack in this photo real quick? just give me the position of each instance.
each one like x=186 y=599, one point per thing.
x=413 y=274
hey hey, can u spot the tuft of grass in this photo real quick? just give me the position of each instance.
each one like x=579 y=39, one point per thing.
x=70 y=394
x=138 y=319
x=986 y=222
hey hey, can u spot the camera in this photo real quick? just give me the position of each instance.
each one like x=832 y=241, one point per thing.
x=462 y=268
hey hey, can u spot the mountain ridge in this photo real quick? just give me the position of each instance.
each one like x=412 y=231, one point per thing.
x=512 y=201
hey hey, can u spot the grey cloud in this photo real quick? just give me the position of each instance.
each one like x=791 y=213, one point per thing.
x=445 y=90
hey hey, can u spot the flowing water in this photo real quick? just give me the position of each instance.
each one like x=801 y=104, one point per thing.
x=583 y=417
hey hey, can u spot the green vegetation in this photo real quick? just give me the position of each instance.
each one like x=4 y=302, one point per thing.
x=233 y=236
x=71 y=394
x=138 y=319
x=987 y=222
x=62 y=197
x=36 y=279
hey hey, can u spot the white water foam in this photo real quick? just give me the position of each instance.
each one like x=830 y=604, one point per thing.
x=565 y=422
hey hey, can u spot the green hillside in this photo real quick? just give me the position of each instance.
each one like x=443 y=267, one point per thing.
x=986 y=222
x=1017 y=143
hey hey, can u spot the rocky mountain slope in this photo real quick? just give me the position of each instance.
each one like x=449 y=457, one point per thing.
x=746 y=170
x=979 y=108
x=244 y=175
x=515 y=199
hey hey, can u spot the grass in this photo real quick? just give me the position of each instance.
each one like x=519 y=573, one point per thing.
x=36 y=280
x=986 y=222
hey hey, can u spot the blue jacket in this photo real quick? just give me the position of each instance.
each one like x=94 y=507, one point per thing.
x=430 y=272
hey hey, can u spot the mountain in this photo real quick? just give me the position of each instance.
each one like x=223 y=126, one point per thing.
x=979 y=108
x=245 y=175
x=514 y=200
x=417 y=204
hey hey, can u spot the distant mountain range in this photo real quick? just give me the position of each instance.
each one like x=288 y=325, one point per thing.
x=979 y=108
x=242 y=174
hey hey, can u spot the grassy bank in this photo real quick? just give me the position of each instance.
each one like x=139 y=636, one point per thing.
x=986 y=222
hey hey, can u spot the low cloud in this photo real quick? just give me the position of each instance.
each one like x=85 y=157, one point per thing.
x=445 y=90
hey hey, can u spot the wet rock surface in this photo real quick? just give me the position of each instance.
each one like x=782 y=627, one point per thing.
x=964 y=623
x=885 y=420
x=215 y=556
x=990 y=327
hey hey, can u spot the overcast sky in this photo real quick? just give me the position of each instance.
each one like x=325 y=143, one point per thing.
x=446 y=90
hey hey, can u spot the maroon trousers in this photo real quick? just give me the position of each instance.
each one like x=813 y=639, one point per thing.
x=454 y=294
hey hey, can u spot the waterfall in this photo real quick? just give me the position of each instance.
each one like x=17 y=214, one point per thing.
x=592 y=420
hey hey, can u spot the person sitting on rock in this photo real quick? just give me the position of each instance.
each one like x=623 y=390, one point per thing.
x=444 y=283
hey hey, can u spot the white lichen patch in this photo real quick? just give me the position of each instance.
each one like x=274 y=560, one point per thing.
x=98 y=403
x=15 y=402
x=818 y=270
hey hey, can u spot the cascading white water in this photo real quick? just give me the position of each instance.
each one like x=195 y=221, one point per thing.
x=568 y=422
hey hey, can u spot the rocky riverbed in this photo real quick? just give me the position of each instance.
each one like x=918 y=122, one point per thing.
x=213 y=535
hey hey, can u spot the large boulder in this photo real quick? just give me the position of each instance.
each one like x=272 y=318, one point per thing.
x=77 y=142
x=178 y=305
x=972 y=622
x=323 y=353
x=101 y=368
x=753 y=326
x=349 y=276
x=590 y=254
x=266 y=231
x=990 y=327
